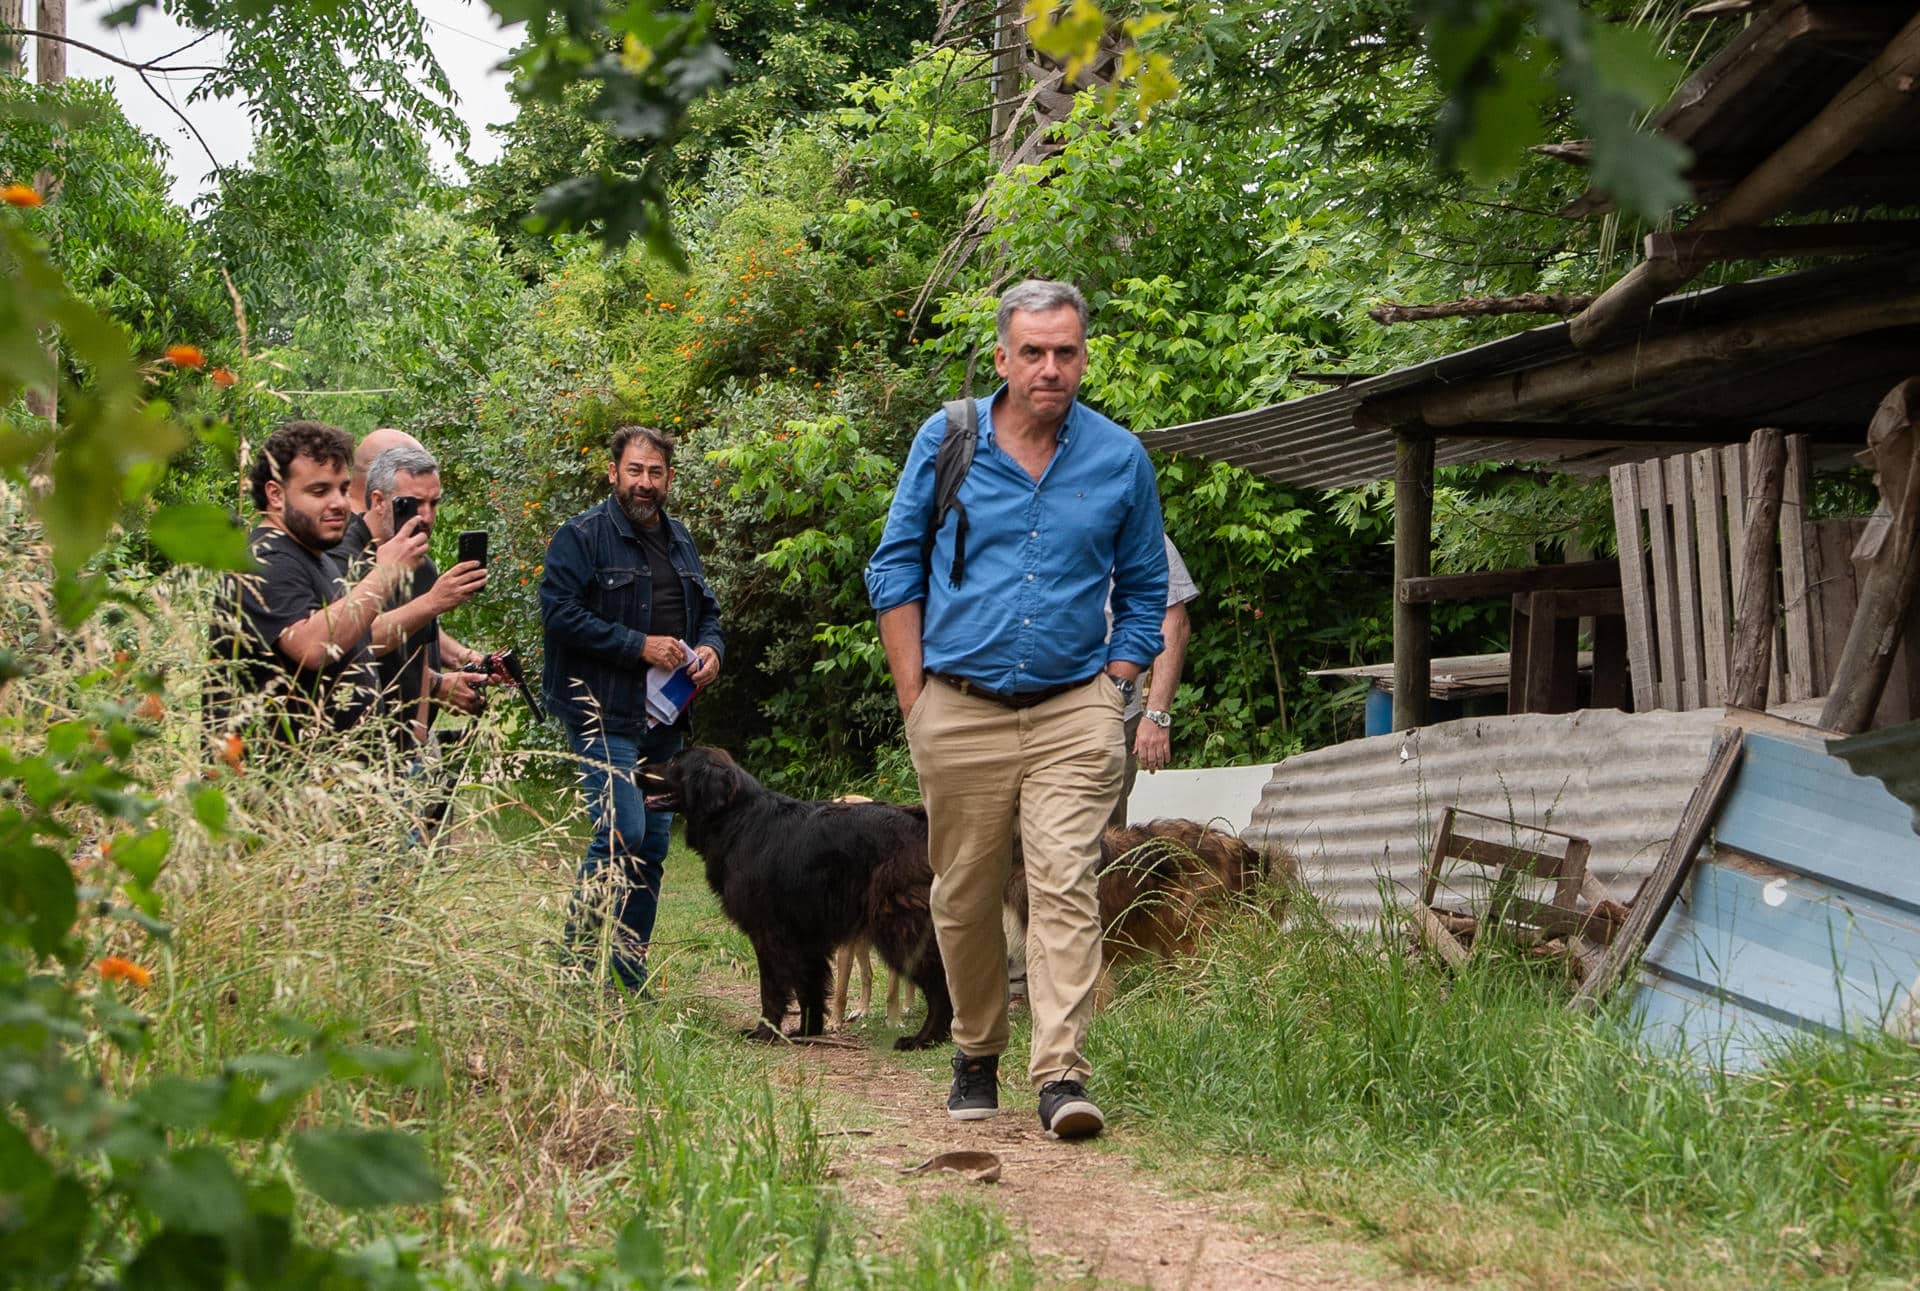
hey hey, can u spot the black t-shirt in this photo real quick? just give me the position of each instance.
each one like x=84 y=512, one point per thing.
x=668 y=617
x=402 y=670
x=253 y=681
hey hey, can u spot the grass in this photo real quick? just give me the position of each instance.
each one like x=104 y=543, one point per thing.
x=1475 y=1127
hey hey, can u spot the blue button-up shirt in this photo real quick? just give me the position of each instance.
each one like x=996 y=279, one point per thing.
x=1030 y=610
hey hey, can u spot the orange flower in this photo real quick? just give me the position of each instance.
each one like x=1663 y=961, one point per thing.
x=224 y=378
x=232 y=750
x=150 y=708
x=113 y=968
x=21 y=195
x=186 y=356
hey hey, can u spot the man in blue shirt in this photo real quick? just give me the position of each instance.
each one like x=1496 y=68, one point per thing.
x=1013 y=692
x=623 y=592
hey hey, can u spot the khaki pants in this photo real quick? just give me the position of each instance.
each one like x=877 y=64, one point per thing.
x=1057 y=766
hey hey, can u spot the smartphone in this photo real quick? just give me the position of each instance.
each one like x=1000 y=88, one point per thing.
x=404 y=509
x=473 y=546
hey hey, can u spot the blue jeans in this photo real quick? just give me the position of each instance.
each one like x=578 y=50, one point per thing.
x=629 y=848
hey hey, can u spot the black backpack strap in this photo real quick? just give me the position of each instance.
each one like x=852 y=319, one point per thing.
x=950 y=467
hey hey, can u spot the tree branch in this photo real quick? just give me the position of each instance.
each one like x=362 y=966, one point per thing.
x=1533 y=302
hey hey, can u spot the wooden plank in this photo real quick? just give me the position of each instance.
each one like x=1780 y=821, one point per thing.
x=1733 y=474
x=1688 y=651
x=1636 y=607
x=1480 y=851
x=1573 y=874
x=1754 y=606
x=1795 y=494
x=1830 y=591
x=1551 y=642
x=1436 y=857
x=1610 y=678
x=1716 y=613
x=1520 y=635
x=1434 y=935
x=1666 y=611
x=1578 y=602
x=1507 y=582
x=1657 y=893
x=1855 y=238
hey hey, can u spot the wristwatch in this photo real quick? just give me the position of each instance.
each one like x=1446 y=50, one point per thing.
x=1124 y=685
x=1158 y=717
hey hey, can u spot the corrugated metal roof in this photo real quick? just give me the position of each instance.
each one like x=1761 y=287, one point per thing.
x=1891 y=756
x=1317 y=441
x=1360 y=816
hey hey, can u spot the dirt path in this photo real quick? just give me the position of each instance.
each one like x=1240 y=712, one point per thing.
x=1088 y=1211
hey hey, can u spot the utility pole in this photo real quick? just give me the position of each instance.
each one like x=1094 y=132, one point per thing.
x=50 y=68
x=13 y=17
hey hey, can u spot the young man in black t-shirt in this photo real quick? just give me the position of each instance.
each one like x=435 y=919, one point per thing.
x=291 y=641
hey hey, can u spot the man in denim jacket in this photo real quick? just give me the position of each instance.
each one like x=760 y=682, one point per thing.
x=623 y=592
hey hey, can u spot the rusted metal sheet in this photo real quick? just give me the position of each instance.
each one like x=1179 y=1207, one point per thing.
x=1361 y=816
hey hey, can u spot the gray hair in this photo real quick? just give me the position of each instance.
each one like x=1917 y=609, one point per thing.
x=1039 y=296
x=407 y=459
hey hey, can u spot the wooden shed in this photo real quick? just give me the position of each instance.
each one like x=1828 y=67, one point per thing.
x=1814 y=108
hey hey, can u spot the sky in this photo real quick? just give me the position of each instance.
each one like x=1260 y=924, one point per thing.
x=467 y=39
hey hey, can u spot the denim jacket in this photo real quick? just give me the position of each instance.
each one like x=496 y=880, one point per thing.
x=595 y=596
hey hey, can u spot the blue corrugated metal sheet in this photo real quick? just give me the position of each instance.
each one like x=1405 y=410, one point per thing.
x=1805 y=918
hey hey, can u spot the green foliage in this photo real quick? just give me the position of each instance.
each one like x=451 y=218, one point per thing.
x=148 y=1177
x=122 y=245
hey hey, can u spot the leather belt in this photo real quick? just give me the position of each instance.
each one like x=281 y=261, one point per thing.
x=1022 y=699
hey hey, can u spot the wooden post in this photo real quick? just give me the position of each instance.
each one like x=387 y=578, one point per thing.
x=1753 y=614
x=1412 y=558
x=1888 y=588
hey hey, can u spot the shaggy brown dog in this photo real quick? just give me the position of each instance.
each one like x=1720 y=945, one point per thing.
x=1161 y=885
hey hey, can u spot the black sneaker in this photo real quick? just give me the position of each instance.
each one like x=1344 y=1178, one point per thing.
x=976 y=1087
x=1067 y=1113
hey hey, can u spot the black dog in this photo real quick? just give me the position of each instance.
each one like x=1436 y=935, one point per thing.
x=800 y=878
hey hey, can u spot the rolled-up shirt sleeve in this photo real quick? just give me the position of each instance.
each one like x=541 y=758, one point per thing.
x=1139 y=572
x=896 y=573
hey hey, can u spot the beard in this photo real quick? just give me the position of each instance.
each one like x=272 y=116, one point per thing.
x=308 y=530
x=642 y=506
